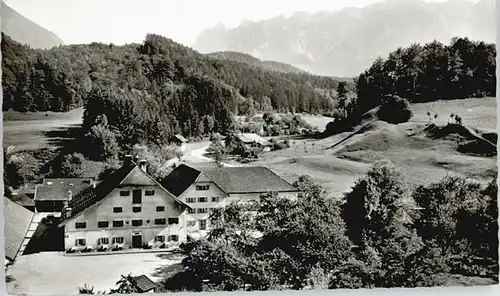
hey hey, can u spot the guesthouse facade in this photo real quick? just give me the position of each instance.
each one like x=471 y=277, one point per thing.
x=204 y=187
x=129 y=209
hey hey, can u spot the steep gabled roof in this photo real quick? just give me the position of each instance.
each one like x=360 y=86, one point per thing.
x=229 y=179
x=17 y=221
x=180 y=179
x=129 y=174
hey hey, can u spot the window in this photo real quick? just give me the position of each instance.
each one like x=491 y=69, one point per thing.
x=191 y=199
x=118 y=240
x=118 y=223
x=103 y=224
x=149 y=192
x=80 y=225
x=160 y=209
x=203 y=224
x=136 y=209
x=159 y=239
x=137 y=196
x=174 y=238
x=202 y=199
x=160 y=221
x=190 y=223
x=124 y=193
x=136 y=222
x=103 y=241
x=202 y=187
x=80 y=242
x=202 y=210
x=215 y=199
x=117 y=210
x=173 y=220
x=191 y=211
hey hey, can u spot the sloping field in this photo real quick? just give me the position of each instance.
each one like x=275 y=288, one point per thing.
x=423 y=156
x=30 y=131
x=477 y=113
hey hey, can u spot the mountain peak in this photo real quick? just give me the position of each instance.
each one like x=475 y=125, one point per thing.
x=25 y=31
x=344 y=43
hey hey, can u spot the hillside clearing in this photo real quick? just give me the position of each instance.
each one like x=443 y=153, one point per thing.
x=36 y=130
x=337 y=164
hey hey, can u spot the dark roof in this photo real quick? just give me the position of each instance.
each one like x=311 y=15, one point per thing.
x=180 y=179
x=17 y=221
x=143 y=283
x=128 y=174
x=180 y=138
x=229 y=179
x=57 y=189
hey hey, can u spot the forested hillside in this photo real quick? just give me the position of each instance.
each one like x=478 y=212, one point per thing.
x=144 y=93
x=41 y=80
x=423 y=73
x=248 y=59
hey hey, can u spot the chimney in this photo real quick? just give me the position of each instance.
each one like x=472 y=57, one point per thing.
x=128 y=159
x=92 y=182
x=70 y=195
x=143 y=164
x=67 y=212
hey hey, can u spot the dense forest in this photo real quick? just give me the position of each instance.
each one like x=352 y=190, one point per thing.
x=422 y=73
x=145 y=93
x=62 y=78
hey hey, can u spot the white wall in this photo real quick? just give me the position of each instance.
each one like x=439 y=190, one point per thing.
x=224 y=200
x=191 y=192
x=103 y=211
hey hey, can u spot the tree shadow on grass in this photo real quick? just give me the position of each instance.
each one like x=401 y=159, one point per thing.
x=65 y=138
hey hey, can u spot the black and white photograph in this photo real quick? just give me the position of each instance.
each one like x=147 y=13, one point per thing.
x=167 y=146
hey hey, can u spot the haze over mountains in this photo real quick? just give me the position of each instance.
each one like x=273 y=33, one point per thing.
x=345 y=42
x=26 y=31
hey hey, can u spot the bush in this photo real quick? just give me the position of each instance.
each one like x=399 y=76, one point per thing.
x=72 y=165
x=395 y=110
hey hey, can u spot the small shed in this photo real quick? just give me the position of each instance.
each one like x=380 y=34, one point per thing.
x=144 y=284
x=179 y=140
x=253 y=140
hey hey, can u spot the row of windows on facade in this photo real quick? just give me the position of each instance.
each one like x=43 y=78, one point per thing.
x=202 y=187
x=135 y=222
x=137 y=209
x=201 y=199
x=201 y=223
x=162 y=209
x=119 y=240
x=137 y=194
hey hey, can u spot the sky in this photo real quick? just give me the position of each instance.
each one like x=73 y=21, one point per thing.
x=128 y=21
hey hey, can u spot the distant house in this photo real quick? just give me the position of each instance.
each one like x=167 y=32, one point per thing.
x=179 y=141
x=205 y=187
x=17 y=221
x=144 y=284
x=127 y=209
x=253 y=140
x=52 y=193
